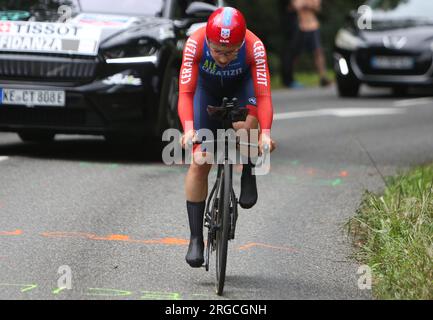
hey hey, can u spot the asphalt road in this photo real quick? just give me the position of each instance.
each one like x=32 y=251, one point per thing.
x=118 y=220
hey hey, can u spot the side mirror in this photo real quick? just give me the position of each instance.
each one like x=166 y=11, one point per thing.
x=200 y=10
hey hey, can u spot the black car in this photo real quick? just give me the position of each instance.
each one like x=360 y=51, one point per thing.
x=99 y=67
x=394 y=49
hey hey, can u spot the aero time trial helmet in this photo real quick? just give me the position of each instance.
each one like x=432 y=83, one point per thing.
x=226 y=26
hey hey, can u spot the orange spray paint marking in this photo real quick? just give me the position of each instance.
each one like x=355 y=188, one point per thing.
x=163 y=241
x=11 y=233
x=115 y=237
x=112 y=237
x=76 y=235
x=253 y=244
x=311 y=172
x=344 y=174
x=171 y=241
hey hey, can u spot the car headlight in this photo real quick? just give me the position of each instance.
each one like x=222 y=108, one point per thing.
x=348 y=41
x=141 y=50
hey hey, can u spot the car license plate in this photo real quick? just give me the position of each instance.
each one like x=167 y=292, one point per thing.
x=396 y=63
x=32 y=98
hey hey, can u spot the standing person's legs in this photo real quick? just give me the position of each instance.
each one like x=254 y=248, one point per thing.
x=319 y=57
x=291 y=35
x=287 y=62
x=294 y=51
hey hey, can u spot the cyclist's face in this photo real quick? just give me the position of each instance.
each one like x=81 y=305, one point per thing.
x=223 y=55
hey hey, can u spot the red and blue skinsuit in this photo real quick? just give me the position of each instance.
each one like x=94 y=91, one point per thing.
x=202 y=82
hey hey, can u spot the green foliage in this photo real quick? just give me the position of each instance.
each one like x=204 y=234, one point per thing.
x=265 y=19
x=394 y=233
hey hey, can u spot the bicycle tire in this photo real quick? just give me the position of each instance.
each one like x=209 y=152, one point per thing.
x=211 y=209
x=223 y=231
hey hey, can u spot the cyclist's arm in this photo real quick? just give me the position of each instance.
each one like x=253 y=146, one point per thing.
x=188 y=77
x=257 y=59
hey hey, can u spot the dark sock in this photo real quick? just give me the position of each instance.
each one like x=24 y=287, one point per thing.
x=249 y=196
x=194 y=256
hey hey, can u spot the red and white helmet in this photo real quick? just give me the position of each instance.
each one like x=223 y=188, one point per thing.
x=226 y=26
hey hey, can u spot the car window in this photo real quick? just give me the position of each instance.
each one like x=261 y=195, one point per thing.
x=40 y=10
x=180 y=6
x=30 y=4
x=402 y=8
x=129 y=7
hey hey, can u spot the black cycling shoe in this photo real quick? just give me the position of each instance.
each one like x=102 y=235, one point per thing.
x=195 y=257
x=249 y=196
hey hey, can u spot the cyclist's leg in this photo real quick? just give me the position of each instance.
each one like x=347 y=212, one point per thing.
x=246 y=96
x=196 y=182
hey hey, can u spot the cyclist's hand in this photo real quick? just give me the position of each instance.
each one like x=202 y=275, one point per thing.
x=188 y=138
x=266 y=144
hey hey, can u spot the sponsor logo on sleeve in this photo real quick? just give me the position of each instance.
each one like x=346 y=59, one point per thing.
x=188 y=61
x=261 y=65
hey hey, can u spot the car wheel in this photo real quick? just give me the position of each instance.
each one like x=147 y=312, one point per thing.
x=348 y=88
x=36 y=136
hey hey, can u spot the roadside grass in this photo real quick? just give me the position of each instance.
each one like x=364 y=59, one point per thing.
x=394 y=235
x=307 y=79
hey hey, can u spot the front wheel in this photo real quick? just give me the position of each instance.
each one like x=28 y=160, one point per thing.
x=223 y=221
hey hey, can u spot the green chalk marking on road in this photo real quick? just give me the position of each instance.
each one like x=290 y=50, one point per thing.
x=29 y=287
x=292 y=178
x=164 y=169
x=332 y=183
x=295 y=162
x=108 y=292
x=337 y=182
x=85 y=164
x=88 y=164
x=58 y=290
x=150 y=295
x=25 y=287
x=203 y=296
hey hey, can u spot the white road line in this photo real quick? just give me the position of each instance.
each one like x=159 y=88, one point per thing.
x=413 y=102
x=341 y=113
x=3 y=158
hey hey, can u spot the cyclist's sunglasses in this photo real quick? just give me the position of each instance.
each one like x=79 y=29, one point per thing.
x=226 y=53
